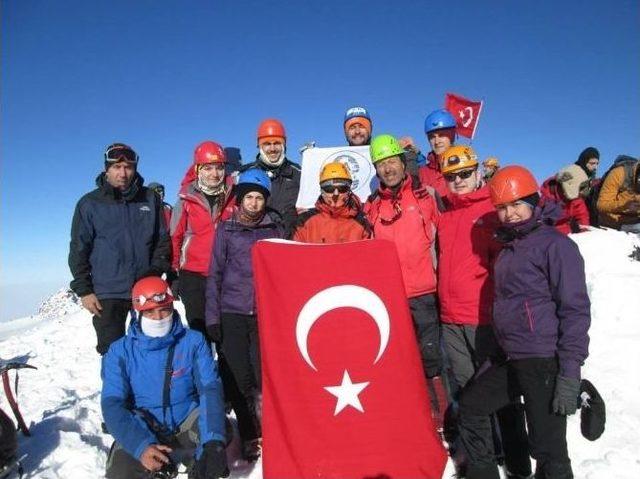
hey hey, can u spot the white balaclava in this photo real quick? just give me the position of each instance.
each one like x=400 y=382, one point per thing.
x=156 y=328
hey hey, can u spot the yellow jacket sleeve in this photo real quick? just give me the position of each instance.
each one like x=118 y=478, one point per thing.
x=611 y=200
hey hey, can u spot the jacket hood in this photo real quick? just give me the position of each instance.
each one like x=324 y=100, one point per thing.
x=105 y=187
x=546 y=213
x=148 y=343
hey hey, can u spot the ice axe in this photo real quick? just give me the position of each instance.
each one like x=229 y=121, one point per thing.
x=4 y=371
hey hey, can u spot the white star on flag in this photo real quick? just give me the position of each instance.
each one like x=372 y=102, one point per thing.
x=347 y=394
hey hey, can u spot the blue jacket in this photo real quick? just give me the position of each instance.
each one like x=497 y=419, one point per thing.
x=117 y=238
x=133 y=378
x=230 y=280
x=541 y=306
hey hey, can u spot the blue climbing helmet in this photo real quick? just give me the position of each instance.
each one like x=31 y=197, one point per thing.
x=439 y=120
x=253 y=179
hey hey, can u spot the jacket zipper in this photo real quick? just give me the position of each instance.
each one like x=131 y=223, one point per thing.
x=529 y=317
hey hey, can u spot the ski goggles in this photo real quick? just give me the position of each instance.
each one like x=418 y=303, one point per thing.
x=120 y=152
x=158 y=298
x=331 y=187
x=462 y=174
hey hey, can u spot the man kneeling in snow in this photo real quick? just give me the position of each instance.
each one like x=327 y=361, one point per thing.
x=161 y=394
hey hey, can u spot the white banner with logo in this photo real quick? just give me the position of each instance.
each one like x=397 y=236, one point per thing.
x=356 y=158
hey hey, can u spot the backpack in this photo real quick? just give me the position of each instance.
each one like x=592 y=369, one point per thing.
x=8 y=440
x=626 y=161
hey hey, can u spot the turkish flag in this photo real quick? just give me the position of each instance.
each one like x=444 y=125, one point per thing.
x=344 y=393
x=466 y=112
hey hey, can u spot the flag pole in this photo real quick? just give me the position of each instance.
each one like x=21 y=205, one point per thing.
x=473 y=133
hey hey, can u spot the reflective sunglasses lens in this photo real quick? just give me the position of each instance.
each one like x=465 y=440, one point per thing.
x=451 y=177
x=332 y=188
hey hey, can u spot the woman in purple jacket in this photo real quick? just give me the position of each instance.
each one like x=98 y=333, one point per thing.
x=230 y=303
x=541 y=319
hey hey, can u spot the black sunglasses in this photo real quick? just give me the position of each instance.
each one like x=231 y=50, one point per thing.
x=119 y=152
x=332 y=188
x=464 y=174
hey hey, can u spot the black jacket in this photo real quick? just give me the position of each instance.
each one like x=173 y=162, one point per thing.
x=116 y=239
x=285 y=185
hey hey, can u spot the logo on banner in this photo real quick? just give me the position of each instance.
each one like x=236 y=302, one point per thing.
x=358 y=165
x=345 y=296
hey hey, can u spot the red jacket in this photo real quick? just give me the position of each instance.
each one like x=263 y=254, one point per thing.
x=467 y=250
x=324 y=224
x=430 y=175
x=575 y=212
x=193 y=226
x=409 y=218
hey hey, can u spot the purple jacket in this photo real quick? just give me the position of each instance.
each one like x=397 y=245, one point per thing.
x=230 y=280
x=541 y=306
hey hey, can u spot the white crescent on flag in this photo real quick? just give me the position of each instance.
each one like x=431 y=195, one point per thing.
x=344 y=296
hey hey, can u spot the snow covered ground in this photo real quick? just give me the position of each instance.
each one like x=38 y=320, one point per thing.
x=61 y=399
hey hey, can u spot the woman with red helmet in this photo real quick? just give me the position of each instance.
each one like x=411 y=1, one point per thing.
x=203 y=201
x=541 y=317
x=161 y=394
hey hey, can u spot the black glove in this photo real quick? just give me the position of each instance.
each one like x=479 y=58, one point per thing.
x=565 y=397
x=174 y=284
x=213 y=462
x=214 y=332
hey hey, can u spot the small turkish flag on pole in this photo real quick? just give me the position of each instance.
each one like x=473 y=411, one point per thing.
x=344 y=393
x=466 y=112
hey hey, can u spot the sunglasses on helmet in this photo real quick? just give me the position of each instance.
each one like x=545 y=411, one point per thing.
x=119 y=152
x=463 y=174
x=155 y=297
x=330 y=188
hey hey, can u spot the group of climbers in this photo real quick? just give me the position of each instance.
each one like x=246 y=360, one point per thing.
x=453 y=221
x=611 y=201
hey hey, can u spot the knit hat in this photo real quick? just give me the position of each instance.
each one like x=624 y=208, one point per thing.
x=531 y=200
x=118 y=152
x=587 y=154
x=357 y=114
x=571 y=178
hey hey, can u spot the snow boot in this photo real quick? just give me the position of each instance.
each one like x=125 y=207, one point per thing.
x=252 y=450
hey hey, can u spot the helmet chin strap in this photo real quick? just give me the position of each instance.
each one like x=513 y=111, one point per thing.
x=272 y=164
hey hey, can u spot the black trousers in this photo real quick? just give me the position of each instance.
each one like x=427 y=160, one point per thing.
x=240 y=370
x=535 y=380
x=110 y=325
x=121 y=465
x=192 y=288
x=426 y=321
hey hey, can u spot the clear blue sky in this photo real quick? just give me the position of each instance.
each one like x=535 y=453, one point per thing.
x=165 y=75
